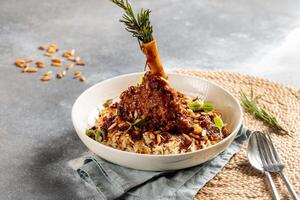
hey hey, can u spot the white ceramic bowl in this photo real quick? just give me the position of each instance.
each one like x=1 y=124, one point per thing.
x=94 y=97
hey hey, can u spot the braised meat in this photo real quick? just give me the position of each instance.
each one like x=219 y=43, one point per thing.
x=157 y=103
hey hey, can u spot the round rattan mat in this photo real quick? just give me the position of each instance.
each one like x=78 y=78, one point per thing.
x=238 y=180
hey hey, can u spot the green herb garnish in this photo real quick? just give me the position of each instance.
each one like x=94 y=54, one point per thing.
x=218 y=122
x=138 y=25
x=107 y=103
x=91 y=132
x=130 y=126
x=198 y=106
x=101 y=133
x=139 y=122
x=207 y=107
x=195 y=106
x=249 y=103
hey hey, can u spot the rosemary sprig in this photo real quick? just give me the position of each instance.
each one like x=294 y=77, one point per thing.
x=138 y=25
x=250 y=104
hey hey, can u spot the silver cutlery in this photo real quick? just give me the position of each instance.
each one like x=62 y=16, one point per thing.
x=272 y=161
x=254 y=156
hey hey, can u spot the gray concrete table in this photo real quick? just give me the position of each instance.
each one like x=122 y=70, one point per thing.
x=37 y=138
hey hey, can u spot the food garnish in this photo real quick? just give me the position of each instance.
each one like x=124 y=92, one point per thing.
x=140 y=27
x=195 y=106
x=107 y=103
x=198 y=106
x=218 y=122
x=93 y=133
x=139 y=122
x=249 y=103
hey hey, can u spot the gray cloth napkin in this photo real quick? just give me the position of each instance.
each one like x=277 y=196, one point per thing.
x=116 y=182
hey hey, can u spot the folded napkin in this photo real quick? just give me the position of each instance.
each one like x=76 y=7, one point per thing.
x=115 y=182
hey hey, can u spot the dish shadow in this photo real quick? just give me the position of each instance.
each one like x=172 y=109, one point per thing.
x=49 y=173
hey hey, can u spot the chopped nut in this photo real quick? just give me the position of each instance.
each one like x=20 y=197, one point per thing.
x=69 y=66
x=52 y=48
x=30 y=69
x=46 y=78
x=194 y=135
x=54 y=64
x=68 y=54
x=61 y=74
x=197 y=128
x=77 y=74
x=80 y=62
x=40 y=64
x=20 y=63
x=158 y=138
x=57 y=60
x=48 y=54
x=41 y=47
x=82 y=78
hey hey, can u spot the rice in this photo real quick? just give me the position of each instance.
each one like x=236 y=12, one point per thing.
x=112 y=131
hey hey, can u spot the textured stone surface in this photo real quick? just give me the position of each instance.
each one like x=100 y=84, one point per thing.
x=36 y=133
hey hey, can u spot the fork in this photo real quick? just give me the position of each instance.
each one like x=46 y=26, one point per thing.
x=263 y=157
x=272 y=162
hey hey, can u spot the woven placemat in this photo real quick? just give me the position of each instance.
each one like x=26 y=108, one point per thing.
x=238 y=180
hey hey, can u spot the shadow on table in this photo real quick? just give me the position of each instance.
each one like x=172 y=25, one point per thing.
x=49 y=174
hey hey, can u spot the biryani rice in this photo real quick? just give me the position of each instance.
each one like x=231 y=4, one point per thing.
x=131 y=137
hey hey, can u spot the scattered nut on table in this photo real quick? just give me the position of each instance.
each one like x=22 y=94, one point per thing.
x=20 y=63
x=82 y=78
x=30 y=69
x=69 y=66
x=49 y=51
x=68 y=54
x=77 y=74
x=61 y=74
x=56 y=62
x=41 y=47
x=46 y=78
x=40 y=64
x=52 y=48
x=80 y=62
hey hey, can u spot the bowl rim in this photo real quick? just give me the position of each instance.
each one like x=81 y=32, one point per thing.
x=237 y=128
